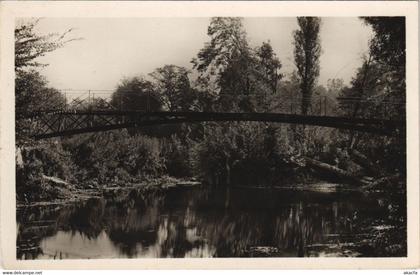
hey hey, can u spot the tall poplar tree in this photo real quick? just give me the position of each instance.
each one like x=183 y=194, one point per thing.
x=307 y=51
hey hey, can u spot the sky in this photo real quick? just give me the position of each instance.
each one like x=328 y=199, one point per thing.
x=115 y=48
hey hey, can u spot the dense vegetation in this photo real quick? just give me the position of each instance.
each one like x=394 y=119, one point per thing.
x=229 y=76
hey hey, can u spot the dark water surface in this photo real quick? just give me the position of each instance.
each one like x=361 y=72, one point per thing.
x=198 y=221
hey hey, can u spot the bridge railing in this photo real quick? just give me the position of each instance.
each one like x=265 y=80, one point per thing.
x=90 y=109
x=320 y=105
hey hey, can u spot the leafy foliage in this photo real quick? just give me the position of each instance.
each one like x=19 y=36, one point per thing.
x=225 y=61
x=31 y=89
x=241 y=153
x=378 y=91
x=268 y=66
x=173 y=84
x=45 y=159
x=29 y=45
x=110 y=157
x=32 y=94
x=136 y=94
x=388 y=44
x=237 y=73
x=307 y=52
x=231 y=77
x=177 y=156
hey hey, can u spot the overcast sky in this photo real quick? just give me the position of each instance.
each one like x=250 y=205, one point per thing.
x=113 y=48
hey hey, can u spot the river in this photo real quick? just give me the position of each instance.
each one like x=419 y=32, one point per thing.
x=200 y=221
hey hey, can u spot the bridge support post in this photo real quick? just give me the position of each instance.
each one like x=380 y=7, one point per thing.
x=325 y=106
x=320 y=106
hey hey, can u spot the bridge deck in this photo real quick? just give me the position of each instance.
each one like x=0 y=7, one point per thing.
x=56 y=123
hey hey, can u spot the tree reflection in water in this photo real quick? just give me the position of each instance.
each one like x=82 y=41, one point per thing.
x=193 y=222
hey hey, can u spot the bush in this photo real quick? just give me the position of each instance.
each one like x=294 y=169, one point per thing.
x=241 y=153
x=46 y=158
x=177 y=157
x=115 y=156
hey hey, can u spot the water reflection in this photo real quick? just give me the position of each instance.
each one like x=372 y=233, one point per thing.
x=194 y=222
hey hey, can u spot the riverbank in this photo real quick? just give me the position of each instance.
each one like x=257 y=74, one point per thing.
x=53 y=190
x=57 y=191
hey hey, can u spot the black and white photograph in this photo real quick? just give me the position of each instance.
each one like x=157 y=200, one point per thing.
x=210 y=137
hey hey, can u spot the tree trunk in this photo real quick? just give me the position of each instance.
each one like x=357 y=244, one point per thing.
x=227 y=171
x=390 y=181
x=227 y=197
x=324 y=167
x=306 y=101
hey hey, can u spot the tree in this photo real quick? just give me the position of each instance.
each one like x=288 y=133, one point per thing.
x=387 y=47
x=108 y=156
x=226 y=60
x=334 y=86
x=368 y=96
x=269 y=66
x=32 y=94
x=307 y=51
x=378 y=91
x=136 y=94
x=206 y=95
x=29 y=45
x=31 y=89
x=173 y=84
x=245 y=153
x=266 y=73
x=139 y=94
x=371 y=93
x=388 y=43
x=379 y=86
x=241 y=76
x=352 y=99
